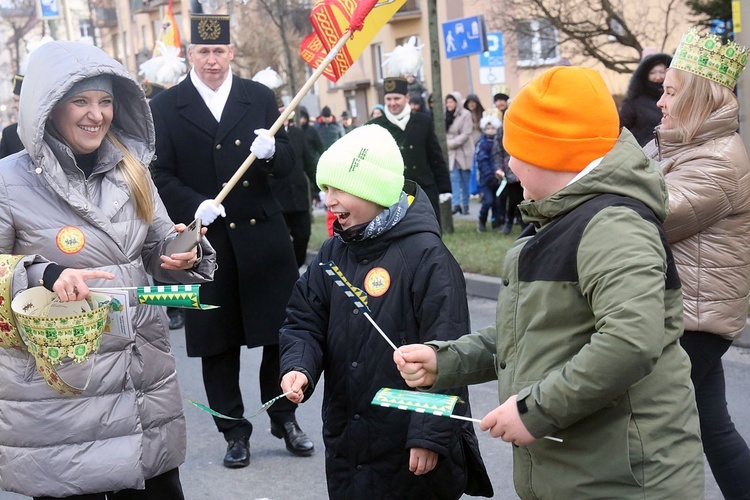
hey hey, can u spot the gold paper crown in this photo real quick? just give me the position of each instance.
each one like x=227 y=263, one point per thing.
x=707 y=57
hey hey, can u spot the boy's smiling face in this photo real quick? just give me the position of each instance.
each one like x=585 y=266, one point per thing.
x=350 y=210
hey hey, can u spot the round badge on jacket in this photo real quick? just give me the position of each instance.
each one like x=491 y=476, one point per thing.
x=377 y=282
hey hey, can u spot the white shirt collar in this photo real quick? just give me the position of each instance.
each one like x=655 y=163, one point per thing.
x=214 y=99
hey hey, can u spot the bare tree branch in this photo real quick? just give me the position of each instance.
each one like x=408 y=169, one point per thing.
x=612 y=32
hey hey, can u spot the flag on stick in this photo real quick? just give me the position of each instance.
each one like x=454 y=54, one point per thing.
x=178 y=296
x=357 y=296
x=359 y=13
x=332 y=18
x=440 y=405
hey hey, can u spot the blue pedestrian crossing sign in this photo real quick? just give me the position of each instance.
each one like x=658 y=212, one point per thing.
x=464 y=37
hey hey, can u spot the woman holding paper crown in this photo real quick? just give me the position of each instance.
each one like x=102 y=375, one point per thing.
x=387 y=244
x=79 y=210
x=707 y=171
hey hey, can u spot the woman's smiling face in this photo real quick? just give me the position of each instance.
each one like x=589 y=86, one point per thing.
x=83 y=120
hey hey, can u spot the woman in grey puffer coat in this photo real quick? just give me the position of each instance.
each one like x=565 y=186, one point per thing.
x=80 y=208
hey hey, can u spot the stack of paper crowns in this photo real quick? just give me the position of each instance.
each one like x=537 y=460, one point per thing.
x=706 y=56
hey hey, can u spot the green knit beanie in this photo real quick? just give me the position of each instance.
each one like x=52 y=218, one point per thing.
x=367 y=163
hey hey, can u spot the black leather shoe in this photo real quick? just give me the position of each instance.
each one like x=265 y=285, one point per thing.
x=297 y=441
x=176 y=319
x=238 y=453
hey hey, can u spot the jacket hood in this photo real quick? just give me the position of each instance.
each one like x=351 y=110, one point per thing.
x=458 y=97
x=639 y=83
x=53 y=69
x=722 y=122
x=475 y=98
x=624 y=171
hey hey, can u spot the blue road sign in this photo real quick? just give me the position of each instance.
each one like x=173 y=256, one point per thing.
x=464 y=37
x=492 y=62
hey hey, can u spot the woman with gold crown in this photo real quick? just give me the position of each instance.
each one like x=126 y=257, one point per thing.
x=707 y=171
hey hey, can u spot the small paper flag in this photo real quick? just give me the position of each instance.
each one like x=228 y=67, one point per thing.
x=179 y=296
x=421 y=402
x=356 y=295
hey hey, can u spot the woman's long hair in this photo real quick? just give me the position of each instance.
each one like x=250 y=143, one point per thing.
x=137 y=179
x=697 y=99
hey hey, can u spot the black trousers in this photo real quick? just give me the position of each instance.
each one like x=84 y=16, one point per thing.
x=726 y=451
x=221 y=378
x=162 y=487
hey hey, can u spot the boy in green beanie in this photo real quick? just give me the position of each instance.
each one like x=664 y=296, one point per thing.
x=386 y=243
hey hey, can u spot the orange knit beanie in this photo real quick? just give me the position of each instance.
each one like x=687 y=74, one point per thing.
x=562 y=120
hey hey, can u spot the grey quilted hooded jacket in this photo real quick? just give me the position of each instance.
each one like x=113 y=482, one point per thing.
x=128 y=425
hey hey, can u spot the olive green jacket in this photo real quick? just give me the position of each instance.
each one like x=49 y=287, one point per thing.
x=587 y=329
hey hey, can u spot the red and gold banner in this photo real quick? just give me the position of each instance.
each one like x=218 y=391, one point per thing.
x=331 y=19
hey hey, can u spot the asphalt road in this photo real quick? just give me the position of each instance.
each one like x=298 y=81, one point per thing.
x=274 y=474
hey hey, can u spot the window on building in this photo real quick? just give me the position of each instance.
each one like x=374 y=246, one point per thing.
x=536 y=40
x=377 y=61
x=86 y=27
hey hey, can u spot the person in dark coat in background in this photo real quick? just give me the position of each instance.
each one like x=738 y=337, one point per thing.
x=388 y=244
x=204 y=128
x=328 y=128
x=293 y=191
x=414 y=133
x=314 y=147
x=638 y=112
x=10 y=142
x=418 y=105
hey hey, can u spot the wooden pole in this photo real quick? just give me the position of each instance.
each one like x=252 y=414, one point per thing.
x=284 y=115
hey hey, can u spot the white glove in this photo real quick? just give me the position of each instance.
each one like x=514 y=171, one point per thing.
x=443 y=197
x=264 y=146
x=208 y=211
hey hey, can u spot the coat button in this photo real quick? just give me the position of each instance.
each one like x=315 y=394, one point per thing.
x=355 y=311
x=253 y=222
x=354 y=364
x=411 y=146
x=502 y=365
x=414 y=167
x=359 y=467
x=218 y=146
x=237 y=142
x=223 y=184
x=356 y=416
x=232 y=225
x=506 y=281
x=245 y=183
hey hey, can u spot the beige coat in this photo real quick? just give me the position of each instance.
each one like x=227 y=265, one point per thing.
x=709 y=221
x=459 y=137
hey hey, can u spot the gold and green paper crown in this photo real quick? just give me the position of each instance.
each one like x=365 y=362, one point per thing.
x=706 y=56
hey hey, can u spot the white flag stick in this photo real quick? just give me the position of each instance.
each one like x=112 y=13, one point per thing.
x=367 y=315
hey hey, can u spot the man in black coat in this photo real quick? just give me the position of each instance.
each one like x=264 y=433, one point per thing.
x=205 y=127
x=293 y=191
x=414 y=133
x=10 y=142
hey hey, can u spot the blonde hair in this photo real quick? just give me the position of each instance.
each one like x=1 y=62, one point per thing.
x=697 y=98
x=136 y=177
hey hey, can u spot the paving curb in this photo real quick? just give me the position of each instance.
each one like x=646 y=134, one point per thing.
x=488 y=287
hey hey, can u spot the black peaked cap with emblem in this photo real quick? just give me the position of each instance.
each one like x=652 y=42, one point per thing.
x=396 y=85
x=209 y=29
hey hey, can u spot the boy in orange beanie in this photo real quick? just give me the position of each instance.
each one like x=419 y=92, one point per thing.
x=586 y=344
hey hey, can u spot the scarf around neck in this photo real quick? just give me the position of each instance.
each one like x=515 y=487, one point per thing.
x=400 y=120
